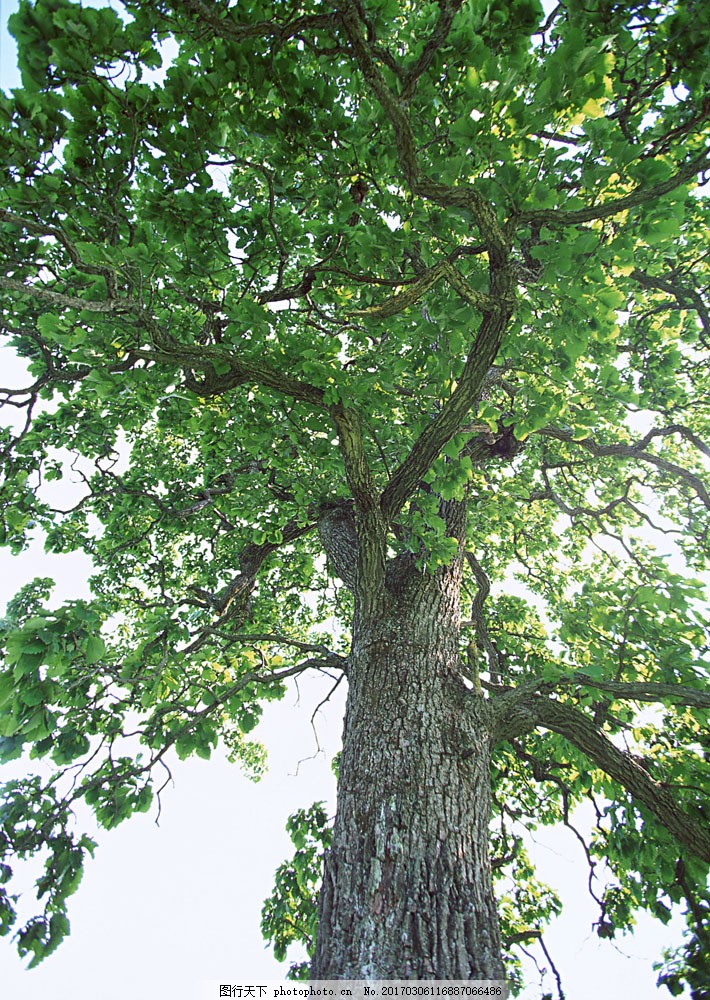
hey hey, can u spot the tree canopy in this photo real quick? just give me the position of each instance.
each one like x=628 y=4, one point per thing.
x=269 y=263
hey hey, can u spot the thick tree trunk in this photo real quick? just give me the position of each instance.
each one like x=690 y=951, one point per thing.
x=407 y=885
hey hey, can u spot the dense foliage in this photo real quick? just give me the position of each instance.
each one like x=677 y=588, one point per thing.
x=266 y=260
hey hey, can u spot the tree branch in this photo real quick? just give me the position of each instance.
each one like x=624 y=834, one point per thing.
x=210 y=360
x=687 y=298
x=58 y=234
x=352 y=448
x=477 y=616
x=338 y=535
x=232 y=602
x=645 y=691
x=439 y=34
x=452 y=416
x=581 y=732
x=205 y=358
x=224 y=27
x=558 y=217
x=638 y=451
x=464 y=196
x=414 y=292
x=109 y=306
x=371 y=525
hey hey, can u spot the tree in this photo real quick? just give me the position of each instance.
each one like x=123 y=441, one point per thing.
x=344 y=315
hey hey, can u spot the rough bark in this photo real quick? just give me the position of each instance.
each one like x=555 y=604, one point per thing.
x=407 y=886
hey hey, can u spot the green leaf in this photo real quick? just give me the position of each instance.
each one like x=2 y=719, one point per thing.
x=95 y=649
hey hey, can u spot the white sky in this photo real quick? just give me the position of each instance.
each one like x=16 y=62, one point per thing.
x=163 y=908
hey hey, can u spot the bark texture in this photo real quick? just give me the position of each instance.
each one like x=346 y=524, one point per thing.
x=407 y=885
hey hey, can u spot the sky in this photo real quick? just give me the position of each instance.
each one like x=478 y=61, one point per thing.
x=164 y=907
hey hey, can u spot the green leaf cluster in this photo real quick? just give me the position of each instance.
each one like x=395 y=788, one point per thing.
x=290 y=914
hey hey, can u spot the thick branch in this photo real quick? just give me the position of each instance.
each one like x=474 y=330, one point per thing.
x=406 y=478
x=558 y=217
x=647 y=691
x=232 y=602
x=352 y=449
x=391 y=104
x=58 y=234
x=465 y=196
x=110 y=306
x=223 y=369
x=414 y=292
x=477 y=616
x=211 y=360
x=208 y=15
x=581 y=732
x=452 y=416
x=439 y=34
x=338 y=535
x=371 y=526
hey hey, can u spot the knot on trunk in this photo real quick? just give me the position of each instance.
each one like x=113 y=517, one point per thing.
x=338 y=535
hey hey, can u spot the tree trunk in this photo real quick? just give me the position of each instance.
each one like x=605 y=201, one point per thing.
x=407 y=884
